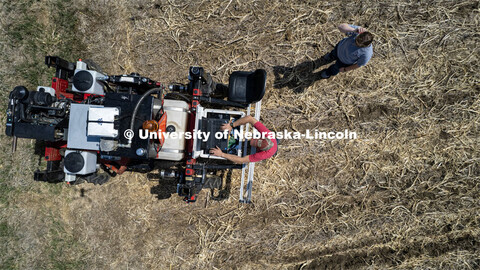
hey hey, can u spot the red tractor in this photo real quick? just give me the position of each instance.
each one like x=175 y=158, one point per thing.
x=92 y=122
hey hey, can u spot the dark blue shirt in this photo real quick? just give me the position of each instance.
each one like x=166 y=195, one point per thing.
x=349 y=53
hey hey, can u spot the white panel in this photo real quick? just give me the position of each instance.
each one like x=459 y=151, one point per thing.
x=81 y=65
x=102 y=114
x=127 y=79
x=77 y=128
x=101 y=129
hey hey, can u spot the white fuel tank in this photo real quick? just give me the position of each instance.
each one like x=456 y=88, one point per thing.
x=177 y=116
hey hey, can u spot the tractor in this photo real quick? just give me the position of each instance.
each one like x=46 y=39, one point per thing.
x=95 y=126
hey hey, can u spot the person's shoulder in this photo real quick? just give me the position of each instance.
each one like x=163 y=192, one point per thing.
x=368 y=50
x=260 y=125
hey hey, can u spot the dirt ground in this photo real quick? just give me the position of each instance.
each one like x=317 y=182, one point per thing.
x=403 y=195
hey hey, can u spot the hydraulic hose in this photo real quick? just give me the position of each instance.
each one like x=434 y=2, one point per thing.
x=139 y=102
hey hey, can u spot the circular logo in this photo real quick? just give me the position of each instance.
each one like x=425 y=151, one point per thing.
x=128 y=134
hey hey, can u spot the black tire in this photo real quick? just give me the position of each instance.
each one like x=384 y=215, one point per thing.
x=96 y=178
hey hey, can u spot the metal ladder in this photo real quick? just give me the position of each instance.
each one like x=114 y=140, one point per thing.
x=247 y=198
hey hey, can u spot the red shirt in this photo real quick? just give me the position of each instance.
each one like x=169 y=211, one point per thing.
x=261 y=155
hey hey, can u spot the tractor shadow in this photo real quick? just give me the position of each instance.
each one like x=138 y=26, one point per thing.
x=39 y=152
x=168 y=186
x=299 y=77
x=224 y=192
x=165 y=188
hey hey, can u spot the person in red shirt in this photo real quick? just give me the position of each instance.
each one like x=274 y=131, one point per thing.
x=266 y=146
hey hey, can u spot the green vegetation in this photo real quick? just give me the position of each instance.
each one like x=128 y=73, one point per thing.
x=61 y=246
x=4 y=229
x=33 y=29
x=7 y=235
x=38 y=38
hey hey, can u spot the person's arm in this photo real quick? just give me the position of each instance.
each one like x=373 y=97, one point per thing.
x=349 y=68
x=239 y=160
x=242 y=121
x=218 y=152
x=346 y=28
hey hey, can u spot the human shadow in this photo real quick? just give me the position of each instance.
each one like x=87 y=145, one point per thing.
x=298 y=77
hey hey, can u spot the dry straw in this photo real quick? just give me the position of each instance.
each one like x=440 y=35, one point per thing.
x=403 y=195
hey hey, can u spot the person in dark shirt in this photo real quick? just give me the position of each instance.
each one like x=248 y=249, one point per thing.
x=351 y=52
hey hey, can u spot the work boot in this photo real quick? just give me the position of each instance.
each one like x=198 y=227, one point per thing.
x=324 y=75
